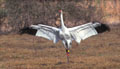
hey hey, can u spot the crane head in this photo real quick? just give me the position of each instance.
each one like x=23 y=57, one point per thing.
x=60 y=11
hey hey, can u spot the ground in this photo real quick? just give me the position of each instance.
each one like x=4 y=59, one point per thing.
x=29 y=52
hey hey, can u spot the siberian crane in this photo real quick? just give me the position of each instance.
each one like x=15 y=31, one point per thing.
x=67 y=35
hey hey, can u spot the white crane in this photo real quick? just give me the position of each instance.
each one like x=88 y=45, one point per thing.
x=65 y=34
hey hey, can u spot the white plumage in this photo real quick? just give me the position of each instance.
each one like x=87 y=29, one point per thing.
x=65 y=34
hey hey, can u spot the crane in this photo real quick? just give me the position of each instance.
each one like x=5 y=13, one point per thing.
x=67 y=35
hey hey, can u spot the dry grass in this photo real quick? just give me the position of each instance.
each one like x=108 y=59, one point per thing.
x=29 y=52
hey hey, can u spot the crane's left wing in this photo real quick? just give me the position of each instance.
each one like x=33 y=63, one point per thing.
x=48 y=32
x=84 y=31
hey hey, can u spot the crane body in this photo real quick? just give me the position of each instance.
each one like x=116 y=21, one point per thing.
x=65 y=34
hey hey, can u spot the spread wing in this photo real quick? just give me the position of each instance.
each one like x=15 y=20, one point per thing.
x=47 y=32
x=84 y=31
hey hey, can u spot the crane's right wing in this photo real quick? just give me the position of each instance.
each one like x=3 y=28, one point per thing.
x=47 y=32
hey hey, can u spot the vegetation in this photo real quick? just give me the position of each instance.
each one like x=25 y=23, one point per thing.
x=30 y=52
x=17 y=14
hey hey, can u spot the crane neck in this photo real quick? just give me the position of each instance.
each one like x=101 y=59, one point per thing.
x=62 y=22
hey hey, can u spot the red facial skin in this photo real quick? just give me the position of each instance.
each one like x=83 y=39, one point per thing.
x=60 y=11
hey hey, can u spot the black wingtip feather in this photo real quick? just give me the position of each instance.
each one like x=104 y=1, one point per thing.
x=28 y=30
x=102 y=28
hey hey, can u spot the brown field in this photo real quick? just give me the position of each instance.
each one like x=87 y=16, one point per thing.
x=29 y=52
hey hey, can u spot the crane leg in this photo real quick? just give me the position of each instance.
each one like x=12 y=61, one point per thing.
x=67 y=53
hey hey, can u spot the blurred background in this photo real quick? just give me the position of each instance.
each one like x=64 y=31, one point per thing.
x=30 y=52
x=17 y=14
